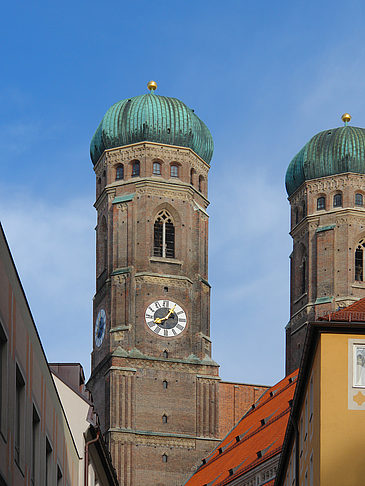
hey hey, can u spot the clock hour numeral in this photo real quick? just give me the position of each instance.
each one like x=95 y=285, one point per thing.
x=173 y=331
x=178 y=313
x=150 y=323
x=150 y=309
x=182 y=320
x=179 y=327
x=149 y=316
x=165 y=303
x=166 y=332
x=157 y=305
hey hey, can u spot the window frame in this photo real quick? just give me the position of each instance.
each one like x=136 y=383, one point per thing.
x=4 y=348
x=356 y=348
x=320 y=200
x=173 y=168
x=359 y=194
x=119 y=169
x=337 y=200
x=136 y=168
x=164 y=235
x=48 y=469
x=35 y=467
x=359 y=261
x=19 y=417
x=156 y=168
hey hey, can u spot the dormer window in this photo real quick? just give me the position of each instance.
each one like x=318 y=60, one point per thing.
x=337 y=200
x=321 y=203
x=136 y=168
x=156 y=168
x=119 y=174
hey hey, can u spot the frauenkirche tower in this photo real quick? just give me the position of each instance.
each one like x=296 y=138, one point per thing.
x=326 y=187
x=154 y=384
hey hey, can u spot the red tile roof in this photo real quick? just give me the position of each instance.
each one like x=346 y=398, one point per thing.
x=258 y=436
x=352 y=313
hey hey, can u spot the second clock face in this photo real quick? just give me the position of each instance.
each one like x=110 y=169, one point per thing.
x=100 y=327
x=165 y=318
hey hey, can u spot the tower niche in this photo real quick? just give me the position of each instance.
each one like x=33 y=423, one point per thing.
x=153 y=380
x=325 y=183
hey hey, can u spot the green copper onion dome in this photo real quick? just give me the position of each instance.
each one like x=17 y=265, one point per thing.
x=331 y=152
x=151 y=118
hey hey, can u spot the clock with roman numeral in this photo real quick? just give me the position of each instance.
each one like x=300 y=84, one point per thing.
x=165 y=318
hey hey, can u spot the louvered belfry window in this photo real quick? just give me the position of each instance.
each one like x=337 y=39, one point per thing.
x=164 y=236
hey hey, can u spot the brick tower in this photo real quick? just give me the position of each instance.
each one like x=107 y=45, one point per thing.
x=153 y=381
x=326 y=186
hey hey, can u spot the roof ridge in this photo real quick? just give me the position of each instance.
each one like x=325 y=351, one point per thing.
x=294 y=380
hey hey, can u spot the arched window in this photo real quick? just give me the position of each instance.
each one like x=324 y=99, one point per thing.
x=164 y=458
x=303 y=277
x=165 y=354
x=119 y=173
x=164 y=418
x=321 y=203
x=103 y=243
x=201 y=180
x=136 y=168
x=359 y=199
x=164 y=236
x=165 y=384
x=296 y=215
x=359 y=261
x=304 y=209
x=156 y=168
x=192 y=173
x=337 y=200
x=174 y=171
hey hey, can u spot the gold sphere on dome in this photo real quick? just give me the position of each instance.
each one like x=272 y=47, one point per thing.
x=152 y=85
x=346 y=117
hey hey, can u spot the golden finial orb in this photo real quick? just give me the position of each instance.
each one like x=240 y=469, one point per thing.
x=152 y=86
x=346 y=118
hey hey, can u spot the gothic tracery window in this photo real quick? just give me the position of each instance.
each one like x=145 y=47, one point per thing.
x=359 y=261
x=164 y=236
x=103 y=244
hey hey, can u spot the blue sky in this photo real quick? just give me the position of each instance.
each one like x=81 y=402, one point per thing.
x=264 y=76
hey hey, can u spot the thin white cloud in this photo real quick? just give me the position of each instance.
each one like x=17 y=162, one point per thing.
x=53 y=248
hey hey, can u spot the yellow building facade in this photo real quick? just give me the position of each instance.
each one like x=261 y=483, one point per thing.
x=326 y=431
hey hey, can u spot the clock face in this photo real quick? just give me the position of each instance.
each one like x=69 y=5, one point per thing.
x=165 y=318
x=100 y=327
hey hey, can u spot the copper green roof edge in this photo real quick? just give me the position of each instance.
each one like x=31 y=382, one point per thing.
x=325 y=228
x=324 y=300
x=125 y=198
x=330 y=152
x=153 y=118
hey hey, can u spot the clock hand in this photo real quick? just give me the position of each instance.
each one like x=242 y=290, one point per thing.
x=158 y=320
